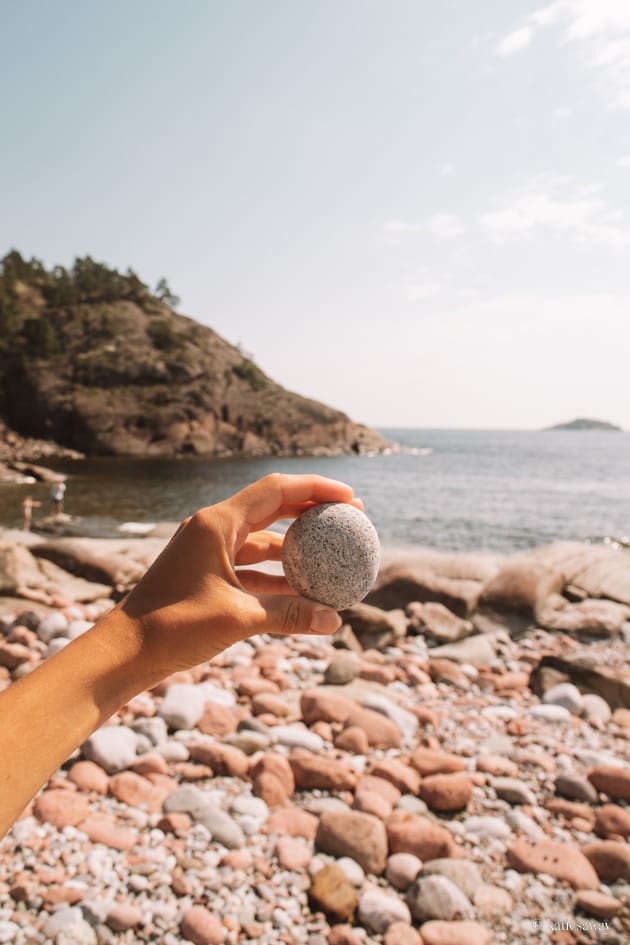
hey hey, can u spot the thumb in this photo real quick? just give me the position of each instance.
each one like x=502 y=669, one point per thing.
x=284 y=613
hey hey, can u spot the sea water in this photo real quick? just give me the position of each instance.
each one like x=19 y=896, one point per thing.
x=448 y=489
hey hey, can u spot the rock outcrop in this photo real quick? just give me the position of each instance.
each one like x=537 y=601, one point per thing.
x=91 y=359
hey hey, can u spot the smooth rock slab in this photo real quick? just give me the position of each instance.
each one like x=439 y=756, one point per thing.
x=437 y=897
x=378 y=910
x=331 y=554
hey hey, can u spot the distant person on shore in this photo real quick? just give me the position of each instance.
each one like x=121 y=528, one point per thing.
x=28 y=504
x=190 y=606
x=57 y=494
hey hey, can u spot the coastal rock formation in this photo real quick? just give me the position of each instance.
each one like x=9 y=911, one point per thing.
x=93 y=360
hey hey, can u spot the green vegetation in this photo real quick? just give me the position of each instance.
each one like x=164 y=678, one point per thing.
x=86 y=281
x=250 y=372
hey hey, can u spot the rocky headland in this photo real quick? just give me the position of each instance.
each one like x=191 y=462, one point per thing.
x=451 y=768
x=94 y=361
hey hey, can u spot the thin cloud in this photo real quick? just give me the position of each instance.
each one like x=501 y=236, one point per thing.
x=515 y=41
x=581 y=216
x=624 y=161
x=598 y=29
x=445 y=226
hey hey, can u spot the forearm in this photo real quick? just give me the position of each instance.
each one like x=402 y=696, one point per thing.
x=84 y=684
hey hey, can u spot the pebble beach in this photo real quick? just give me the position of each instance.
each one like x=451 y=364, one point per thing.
x=451 y=768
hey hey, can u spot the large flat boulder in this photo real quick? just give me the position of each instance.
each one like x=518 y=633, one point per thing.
x=118 y=562
x=454 y=580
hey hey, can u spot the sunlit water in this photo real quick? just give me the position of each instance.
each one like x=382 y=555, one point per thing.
x=496 y=490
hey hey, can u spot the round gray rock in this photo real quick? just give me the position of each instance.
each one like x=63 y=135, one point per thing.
x=331 y=554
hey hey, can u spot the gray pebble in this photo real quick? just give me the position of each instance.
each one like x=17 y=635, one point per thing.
x=567 y=695
x=437 y=897
x=331 y=554
x=112 y=747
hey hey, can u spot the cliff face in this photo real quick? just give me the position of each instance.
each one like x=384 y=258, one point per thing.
x=128 y=376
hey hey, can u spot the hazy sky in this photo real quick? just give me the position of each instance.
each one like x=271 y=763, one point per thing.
x=417 y=212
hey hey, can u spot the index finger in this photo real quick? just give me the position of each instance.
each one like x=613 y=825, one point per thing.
x=265 y=499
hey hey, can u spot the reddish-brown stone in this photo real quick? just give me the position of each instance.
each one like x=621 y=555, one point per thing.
x=557 y=859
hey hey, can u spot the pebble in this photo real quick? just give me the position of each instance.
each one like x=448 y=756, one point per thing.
x=123 y=917
x=613 y=780
x=595 y=709
x=331 y=554
x=575 y=788
x=52 y=625
x=342 y=669
x=359 y=836
x=112 y=747
x=428 y=761
x=378 y=910
x=402 y=869
x=612 y=820
x=462 y=872
x=437 y=897
x=353 y=871
x=333 y=893
x=550 y=713
x=557 y=859
x=486 y=826
x=513 y=791
x=201 y=927
x=454 y=933
x=567 y=695
x=446 y=792
x=492 y=901
x=399 y=933
x=296 y=736
x=610 y=859
x=61 y=808
x=404 y=720
x=598 y=904
x=182 y=706
x=410 y=833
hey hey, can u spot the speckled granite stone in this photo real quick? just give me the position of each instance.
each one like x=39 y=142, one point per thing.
x=331 y=554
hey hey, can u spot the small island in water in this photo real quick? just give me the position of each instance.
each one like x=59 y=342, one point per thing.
x=584 y=423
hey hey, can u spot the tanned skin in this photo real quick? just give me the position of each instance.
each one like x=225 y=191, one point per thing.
x=189 y=606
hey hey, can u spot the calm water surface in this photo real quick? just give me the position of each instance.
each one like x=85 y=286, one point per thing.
x=496 y=490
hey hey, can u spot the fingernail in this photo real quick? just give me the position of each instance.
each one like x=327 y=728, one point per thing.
x=325 y=621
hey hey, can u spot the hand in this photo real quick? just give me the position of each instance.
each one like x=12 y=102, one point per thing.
x=192 y=603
